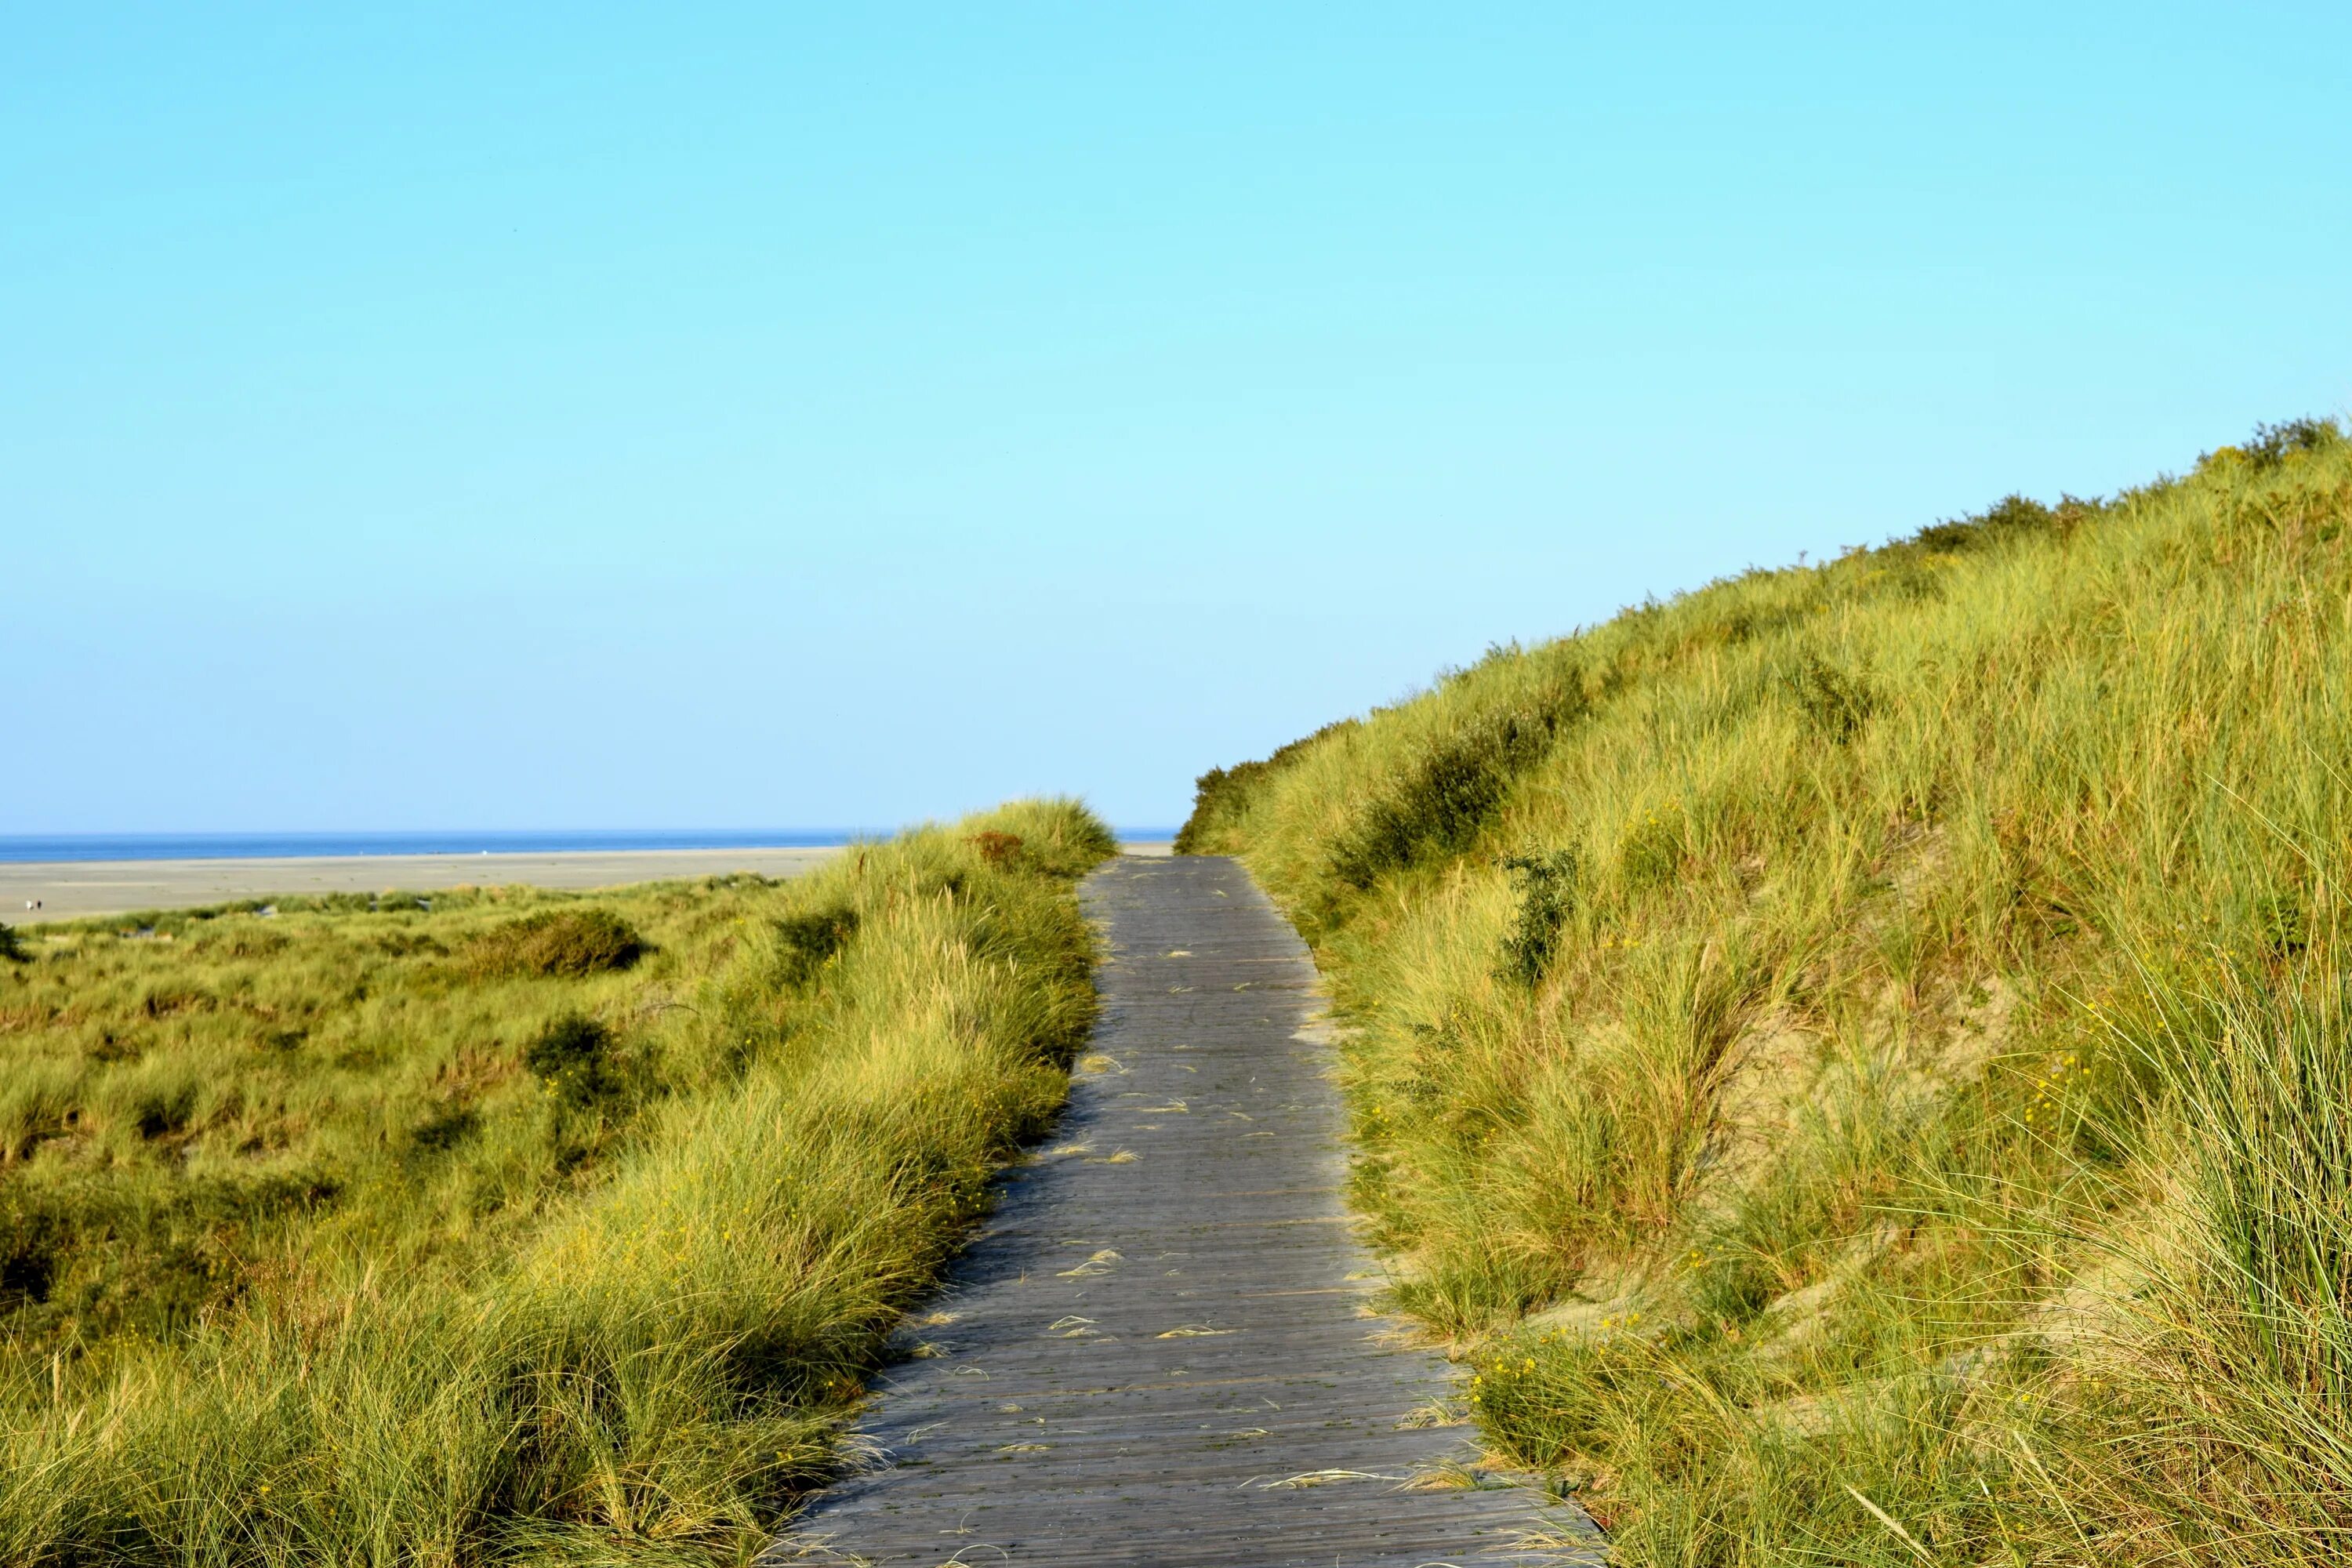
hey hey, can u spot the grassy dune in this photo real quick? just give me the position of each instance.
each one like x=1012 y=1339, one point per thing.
x=519 y=1227
x=1858 y=1056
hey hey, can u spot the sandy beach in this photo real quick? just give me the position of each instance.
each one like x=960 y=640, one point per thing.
x=70 y=889
x=73 y=890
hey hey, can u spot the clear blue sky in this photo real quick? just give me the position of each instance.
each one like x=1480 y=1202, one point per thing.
x=549 y=416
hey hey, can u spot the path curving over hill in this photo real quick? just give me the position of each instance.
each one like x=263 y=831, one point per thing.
x=1156 y=1353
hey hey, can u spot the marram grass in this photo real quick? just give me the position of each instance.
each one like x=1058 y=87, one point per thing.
x=368 y=1237
x=1858 y=1056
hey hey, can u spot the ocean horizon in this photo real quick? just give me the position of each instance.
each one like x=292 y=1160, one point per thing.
x=34 y=846
x=21 y=849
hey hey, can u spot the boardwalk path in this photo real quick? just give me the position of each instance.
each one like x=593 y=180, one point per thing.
x=1156 y=1355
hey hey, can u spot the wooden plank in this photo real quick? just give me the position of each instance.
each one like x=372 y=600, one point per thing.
x=1157 y=1352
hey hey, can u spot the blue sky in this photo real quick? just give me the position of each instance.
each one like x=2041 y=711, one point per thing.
x=538 y=416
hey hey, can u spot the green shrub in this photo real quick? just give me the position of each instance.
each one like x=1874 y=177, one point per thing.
x=2274 y=444
x=327 y=903
x=566 y=943
x=1220 y=794
x=805 y=940
x=573 y=1056
x=1832 y=703
x=1547 y=885
x=1452 y=790
x=244 y=939
x=2008 y=518
x=28 y=1251
x=84 y=1260
x=12 y=946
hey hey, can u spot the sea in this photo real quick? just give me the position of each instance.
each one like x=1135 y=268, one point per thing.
x=280 y=846
x=32 y=846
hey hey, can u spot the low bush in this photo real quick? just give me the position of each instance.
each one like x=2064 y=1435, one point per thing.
x=566 y=943
x=805 y=940
x=1832 y=704
x=1438 y=802
x=1547 y=885
x=1221 y=793
x=573 y=1056
x=998 y=849
x=2274 y=444
x=2011 y=517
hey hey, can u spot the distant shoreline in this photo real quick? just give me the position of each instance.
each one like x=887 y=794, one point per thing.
x=70 y=889
x=79 y=889
x=76 y=848
x=80 y=848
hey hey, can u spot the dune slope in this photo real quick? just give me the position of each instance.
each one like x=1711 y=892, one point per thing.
x=1857 y=1053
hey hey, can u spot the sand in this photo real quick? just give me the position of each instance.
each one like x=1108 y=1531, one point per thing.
x=70 y=889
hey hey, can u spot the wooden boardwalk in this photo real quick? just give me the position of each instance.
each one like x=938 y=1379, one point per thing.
x=1157 y=1352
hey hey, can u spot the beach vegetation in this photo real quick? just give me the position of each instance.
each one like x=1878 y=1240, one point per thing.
x=522 y=1227
x=563 y=942
x=1546 y=882
x=807 y=939
x=1855 y=1057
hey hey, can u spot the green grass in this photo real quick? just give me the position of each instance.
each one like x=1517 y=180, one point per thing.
x=519 y=1227
x=1857 y=1056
